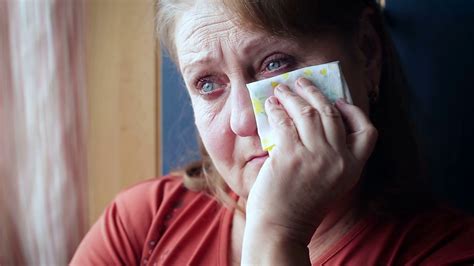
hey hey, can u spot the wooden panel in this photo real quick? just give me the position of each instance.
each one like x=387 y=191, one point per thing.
x=122 y=77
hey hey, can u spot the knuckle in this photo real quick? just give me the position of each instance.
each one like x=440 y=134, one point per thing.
x=309 y=111
x=296 y=161
x=341 y=165
x=372 y=132
x=330 y=111
x=283 y=122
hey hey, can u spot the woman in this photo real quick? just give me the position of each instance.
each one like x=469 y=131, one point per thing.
x=343 y=184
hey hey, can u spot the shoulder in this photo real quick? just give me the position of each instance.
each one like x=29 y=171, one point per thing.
x=436 y=236
x=121 y=231
x=441 y=236
x=139 y=205
x=146 y=197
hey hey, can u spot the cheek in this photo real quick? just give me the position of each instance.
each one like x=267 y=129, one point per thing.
x=213 y=127
x=357 y=81
x=356 y=75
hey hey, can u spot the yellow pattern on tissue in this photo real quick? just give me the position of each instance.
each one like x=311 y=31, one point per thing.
x=266 y=144
x=274 y=84
x=257 y=106
x=308 y=72
x=269 y=148
x=286 y=76
x=323 y=71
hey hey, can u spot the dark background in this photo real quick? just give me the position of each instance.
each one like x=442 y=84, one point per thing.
x=435 y=41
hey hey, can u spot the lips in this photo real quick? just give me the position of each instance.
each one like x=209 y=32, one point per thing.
x=257 y=157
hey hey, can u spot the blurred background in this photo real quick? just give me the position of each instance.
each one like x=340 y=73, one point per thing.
x=90 y=105
x=79 y=118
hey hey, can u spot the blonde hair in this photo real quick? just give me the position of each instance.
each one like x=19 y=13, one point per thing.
x=393 y=178
x=168 y=12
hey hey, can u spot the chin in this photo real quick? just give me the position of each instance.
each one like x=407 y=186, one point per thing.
x=241 y=182
x=248 y=179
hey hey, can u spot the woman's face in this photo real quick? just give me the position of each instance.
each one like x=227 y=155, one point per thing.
x=217 y=58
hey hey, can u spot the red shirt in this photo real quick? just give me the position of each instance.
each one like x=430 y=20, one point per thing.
x=160 y=222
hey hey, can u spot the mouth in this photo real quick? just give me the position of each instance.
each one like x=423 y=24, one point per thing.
x=258 y=158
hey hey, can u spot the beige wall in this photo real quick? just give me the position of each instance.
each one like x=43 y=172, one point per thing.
x=122 y=78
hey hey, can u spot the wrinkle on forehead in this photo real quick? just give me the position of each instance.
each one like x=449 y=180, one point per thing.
x=201 y=33
x=205 y=25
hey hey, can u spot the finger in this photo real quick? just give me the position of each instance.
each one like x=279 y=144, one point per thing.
x=330 y=117
x=305 y=117
x=361 y=134
x=283 y=129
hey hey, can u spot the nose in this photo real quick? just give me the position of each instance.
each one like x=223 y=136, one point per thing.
x=242 y=119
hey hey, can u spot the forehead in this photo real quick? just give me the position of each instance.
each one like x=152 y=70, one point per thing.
x=202 y=22
x=202 y=30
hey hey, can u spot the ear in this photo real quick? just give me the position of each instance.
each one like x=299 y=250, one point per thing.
x=369 y=46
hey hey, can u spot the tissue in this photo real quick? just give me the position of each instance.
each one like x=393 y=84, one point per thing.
x=327 y=77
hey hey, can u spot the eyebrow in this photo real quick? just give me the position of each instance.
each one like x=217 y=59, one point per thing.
x=261 y=42
x=198 y=60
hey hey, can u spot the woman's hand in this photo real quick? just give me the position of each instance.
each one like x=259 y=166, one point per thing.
x=316 y=161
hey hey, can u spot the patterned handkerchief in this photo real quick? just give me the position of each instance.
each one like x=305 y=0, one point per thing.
x=327 y=77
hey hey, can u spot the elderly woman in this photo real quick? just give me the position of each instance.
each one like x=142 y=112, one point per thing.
x=343 y=184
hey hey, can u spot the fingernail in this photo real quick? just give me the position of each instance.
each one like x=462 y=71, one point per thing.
x=280 y=88
x=302 y=82
x=273 y=100
x=342 y=100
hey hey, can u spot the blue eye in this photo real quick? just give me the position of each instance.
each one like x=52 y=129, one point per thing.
x=274 y=65
x=208 y=87
x=277 y=63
